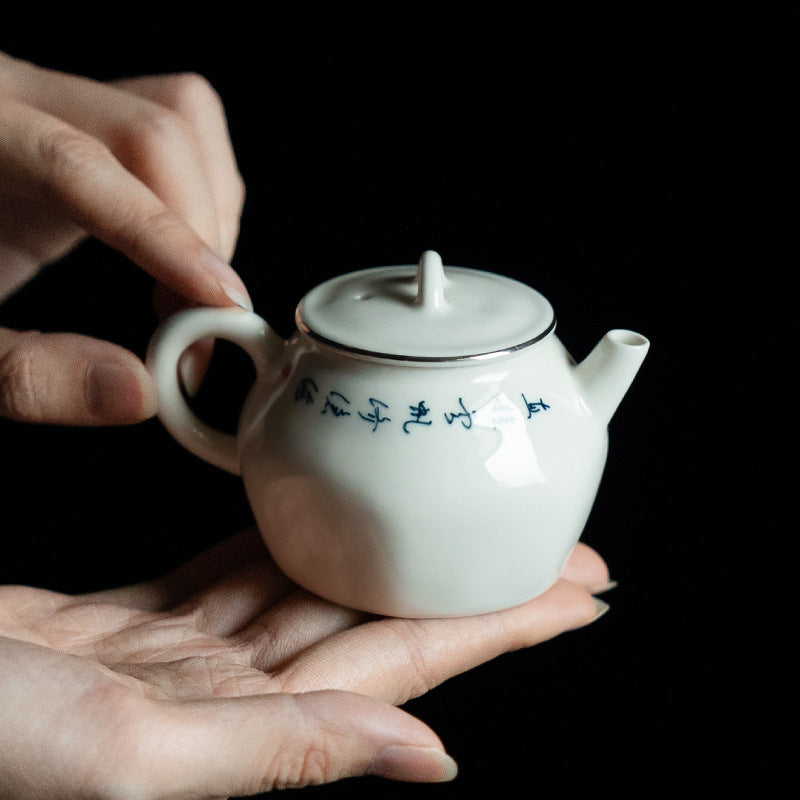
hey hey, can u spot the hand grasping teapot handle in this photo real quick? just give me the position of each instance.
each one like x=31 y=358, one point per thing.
x=144 y=165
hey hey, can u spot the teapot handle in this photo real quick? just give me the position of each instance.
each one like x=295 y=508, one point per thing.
x=170 y=340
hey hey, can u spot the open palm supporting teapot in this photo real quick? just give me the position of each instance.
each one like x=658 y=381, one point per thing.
x=423 y=445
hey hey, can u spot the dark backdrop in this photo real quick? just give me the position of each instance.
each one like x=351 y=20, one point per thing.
x=599 y=155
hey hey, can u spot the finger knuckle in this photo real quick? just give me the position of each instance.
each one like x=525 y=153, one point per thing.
x=64 y=153
x=158 y=127
x=311 y=765
x=153 y=133
x=137 y=228
x=420 y=673
x=191 y=94
x=20 y=398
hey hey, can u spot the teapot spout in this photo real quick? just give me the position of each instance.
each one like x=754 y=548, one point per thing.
x=607 y=372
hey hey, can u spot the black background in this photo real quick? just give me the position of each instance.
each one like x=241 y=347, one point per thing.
x=616 y=159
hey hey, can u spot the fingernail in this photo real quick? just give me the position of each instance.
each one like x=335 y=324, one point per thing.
x=400 y=762
x=229 y=281
x=112 y=392
x=601 y=608
x=241 y=300
x=607 y=587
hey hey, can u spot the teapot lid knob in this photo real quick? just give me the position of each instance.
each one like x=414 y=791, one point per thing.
x=430 y=281
x=425 y=312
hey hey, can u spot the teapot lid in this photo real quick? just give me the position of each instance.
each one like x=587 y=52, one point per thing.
x=425 y=312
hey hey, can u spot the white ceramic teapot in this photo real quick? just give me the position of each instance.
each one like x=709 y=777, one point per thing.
x=423 y=445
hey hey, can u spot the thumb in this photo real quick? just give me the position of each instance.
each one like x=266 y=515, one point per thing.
x=245 y=745
x=68 y=379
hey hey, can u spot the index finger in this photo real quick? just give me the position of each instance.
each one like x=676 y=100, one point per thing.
x=47 y=158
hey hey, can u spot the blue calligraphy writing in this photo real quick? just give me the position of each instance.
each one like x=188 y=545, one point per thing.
x=500 y=411
x=417 y=413
x=535 y=407
x=333 y=404
x=305 y=391
x=464 y=415
x=375 y=416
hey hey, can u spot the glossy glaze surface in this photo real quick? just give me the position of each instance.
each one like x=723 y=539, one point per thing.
x=410 y=487
x=415 y=491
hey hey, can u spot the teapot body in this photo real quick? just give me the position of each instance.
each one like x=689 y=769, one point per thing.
x=423 y=446
x=421 y=489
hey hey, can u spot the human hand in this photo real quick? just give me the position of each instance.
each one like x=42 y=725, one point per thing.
x=224 y=678
x=146 y=166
